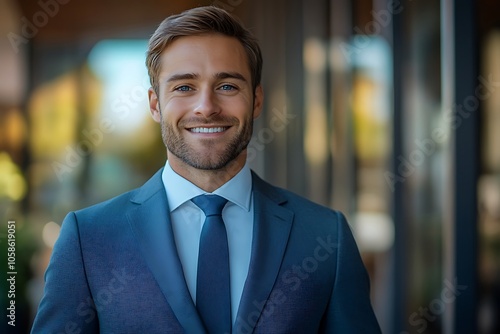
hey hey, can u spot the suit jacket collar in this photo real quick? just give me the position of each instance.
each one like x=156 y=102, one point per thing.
x=272 y=226
x=150 y=222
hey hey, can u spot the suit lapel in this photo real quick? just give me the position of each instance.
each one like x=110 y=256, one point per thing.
x=272 y=225
x=150 y=222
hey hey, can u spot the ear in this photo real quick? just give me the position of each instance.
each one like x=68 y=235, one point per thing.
x=258 y=101
x=154 y=105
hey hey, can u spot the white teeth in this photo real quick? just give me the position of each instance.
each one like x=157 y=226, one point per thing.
x=208 y=130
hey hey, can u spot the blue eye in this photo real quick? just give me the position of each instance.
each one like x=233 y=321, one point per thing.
x=183 y=88
x=227 y=87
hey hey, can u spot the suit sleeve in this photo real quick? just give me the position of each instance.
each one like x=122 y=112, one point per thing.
x=67 y=305
x=349 y=310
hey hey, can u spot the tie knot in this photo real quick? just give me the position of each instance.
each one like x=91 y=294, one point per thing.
x=211 y=205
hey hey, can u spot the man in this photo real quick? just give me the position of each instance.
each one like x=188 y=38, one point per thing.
x=157 y=260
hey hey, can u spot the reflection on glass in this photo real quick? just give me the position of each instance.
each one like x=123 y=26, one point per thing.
x=119 y=65
x=371 y=107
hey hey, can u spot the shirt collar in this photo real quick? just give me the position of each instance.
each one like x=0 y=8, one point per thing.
x=179 y=190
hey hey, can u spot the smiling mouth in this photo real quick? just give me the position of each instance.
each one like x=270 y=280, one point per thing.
x=209 y=130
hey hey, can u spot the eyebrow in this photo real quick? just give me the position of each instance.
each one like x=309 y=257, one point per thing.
x=219 y=76
x=230 y=75
x=182 y=76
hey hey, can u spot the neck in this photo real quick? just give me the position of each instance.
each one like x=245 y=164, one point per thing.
x=208 y=180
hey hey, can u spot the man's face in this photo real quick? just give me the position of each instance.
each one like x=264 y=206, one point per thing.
x=205 y=103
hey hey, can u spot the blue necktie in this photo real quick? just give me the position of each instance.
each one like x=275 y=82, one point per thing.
x=213 y=299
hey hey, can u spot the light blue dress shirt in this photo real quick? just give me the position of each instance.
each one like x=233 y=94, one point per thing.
x=187 y=222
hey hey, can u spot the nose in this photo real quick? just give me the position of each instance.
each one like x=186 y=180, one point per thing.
x=206 y=104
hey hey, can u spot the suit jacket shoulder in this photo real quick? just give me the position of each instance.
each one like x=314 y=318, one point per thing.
x=305 y=210
x=116 y=206
x=322 y=285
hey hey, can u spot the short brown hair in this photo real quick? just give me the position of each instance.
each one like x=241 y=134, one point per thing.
x=197 y=21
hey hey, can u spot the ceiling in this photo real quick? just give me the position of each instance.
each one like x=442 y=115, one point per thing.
x=99 y=18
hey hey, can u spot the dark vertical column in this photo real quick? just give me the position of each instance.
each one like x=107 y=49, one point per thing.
x=315 y=31
x=466 y=158
x=267 y=152
x=399 y=251
x=294 y=87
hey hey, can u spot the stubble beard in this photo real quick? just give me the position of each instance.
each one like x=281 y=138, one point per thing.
x=208 y=160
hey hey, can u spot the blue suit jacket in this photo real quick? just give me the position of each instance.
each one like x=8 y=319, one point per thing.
x=115 y=269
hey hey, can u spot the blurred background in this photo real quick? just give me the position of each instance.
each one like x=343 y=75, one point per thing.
x=386 y=110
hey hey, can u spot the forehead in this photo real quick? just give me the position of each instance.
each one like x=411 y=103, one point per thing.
x=204 y=53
